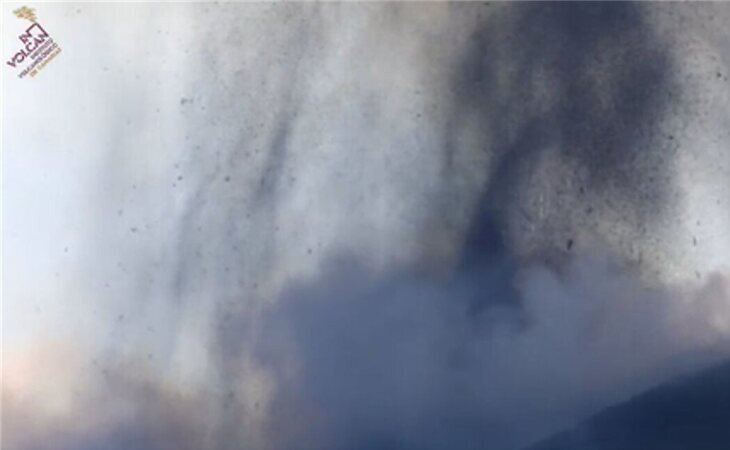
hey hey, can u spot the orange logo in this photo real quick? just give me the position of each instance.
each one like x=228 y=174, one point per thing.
x=25 y=13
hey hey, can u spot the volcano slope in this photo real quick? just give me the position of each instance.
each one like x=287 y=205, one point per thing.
x=692 y=412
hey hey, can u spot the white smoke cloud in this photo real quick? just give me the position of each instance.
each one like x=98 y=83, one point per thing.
x=357 y=360
x=404 y=363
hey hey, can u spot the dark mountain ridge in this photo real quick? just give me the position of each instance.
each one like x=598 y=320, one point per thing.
x=689 y=413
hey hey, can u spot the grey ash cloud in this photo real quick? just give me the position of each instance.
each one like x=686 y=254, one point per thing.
x=401 y=226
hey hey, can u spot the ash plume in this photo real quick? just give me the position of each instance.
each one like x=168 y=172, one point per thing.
x=376 y=226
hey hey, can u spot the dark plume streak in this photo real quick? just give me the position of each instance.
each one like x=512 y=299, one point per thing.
x=583 y=86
